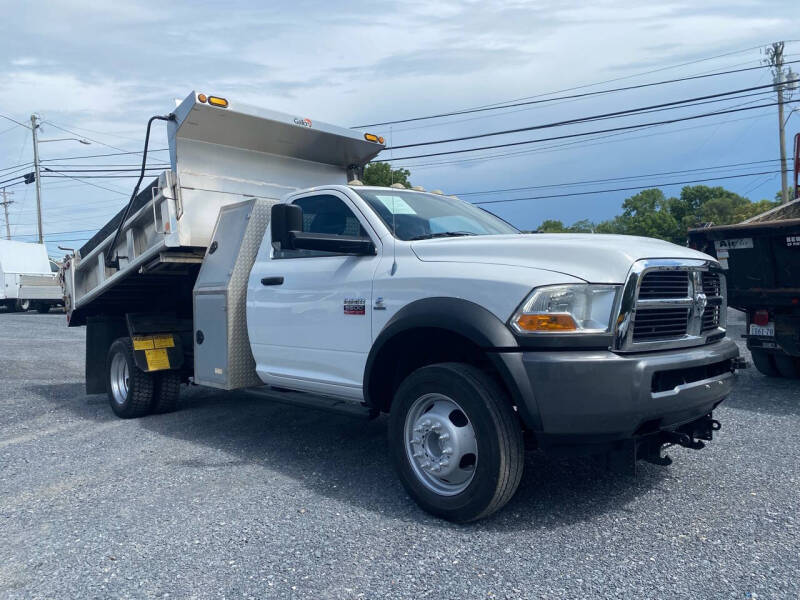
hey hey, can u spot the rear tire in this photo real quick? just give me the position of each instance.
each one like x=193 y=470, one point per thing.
x=130 y=390
x=449 y=419
x=786 y=365
x=167 y=391
x=764 y=363
x=22 y=305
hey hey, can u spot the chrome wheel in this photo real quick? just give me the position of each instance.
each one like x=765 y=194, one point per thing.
x=440 y=444
x=119 y=378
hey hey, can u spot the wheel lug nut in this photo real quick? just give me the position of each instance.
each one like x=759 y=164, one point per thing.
x=444 y=436
x=448 y=450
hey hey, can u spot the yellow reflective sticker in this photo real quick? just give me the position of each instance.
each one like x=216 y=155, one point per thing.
x=163 y=341
x=157 y=359
x=142 y=343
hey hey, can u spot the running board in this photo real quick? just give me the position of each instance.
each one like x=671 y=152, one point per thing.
x=336 y=405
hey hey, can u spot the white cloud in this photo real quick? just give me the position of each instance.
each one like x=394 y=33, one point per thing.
x=62 y=92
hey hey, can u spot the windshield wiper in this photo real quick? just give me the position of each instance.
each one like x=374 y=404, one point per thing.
x=440 y=234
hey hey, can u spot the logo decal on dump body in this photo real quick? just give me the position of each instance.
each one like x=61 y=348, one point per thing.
x=355 y=306
x=302 y=122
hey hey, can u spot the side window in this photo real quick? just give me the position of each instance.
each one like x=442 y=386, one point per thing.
x=328 y=214
x=325 y=214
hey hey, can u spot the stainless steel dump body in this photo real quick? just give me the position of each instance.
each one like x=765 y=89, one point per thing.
x=219 y=156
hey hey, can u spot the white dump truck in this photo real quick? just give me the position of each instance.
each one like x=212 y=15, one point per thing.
x=259 y=261
x=27 y=277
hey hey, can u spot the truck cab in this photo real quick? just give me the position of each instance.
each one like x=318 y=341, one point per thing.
x=472 y=337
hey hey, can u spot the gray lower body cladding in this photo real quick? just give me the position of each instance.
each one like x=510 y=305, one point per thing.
x=597 y=396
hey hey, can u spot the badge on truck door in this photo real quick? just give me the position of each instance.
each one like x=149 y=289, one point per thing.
x=355 y=306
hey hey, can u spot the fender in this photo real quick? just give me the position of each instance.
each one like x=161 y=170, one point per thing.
x=475 y=323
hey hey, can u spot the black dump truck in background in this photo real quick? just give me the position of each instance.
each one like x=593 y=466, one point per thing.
x=762 y=261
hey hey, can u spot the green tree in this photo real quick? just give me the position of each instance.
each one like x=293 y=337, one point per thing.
x=754 y=208
x=382 y=174
x=647 y=214
x=582 y=226
x=551 y=226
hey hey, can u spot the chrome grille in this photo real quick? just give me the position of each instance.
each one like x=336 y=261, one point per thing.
x=710 y=318
x=711 y=284
x=664 y=284
x=669 y=303
x=712 y=288
x=659 y=323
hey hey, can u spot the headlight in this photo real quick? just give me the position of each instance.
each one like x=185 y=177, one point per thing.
x=580 y=308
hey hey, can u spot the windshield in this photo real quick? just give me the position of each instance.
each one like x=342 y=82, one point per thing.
x=418 y=216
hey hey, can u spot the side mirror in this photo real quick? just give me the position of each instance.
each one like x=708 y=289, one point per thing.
x=285 y=218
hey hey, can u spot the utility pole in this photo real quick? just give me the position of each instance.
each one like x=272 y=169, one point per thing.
x=6 y=202
x=775 y=59
x=34 y=127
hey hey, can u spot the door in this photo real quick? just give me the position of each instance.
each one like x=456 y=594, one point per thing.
x=309 y=313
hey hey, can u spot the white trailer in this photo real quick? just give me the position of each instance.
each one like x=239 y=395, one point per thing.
x=258 y=261
x=27 y=278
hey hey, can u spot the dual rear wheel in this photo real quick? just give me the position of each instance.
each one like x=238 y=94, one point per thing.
x=134 y=393
x=455 y=439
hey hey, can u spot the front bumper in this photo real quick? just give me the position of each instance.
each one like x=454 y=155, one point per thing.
x=586 y=397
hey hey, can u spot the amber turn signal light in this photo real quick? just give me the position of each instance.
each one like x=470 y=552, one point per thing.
x=547 y=322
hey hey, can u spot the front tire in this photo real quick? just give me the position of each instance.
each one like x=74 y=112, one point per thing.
x=130 y=390
x=22 y=305
x=455 y=441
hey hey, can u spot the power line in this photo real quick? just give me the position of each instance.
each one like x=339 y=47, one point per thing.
x=609 y=179
x=625 y=189
x=64 y=129
x=513 y=104
x=11 y=168
x=100 y=155
x=102 y=166
x=566 y=145
x=15 y=121
x=555 y=102
x=619 y=113
x=12 y=128
x=574 y=135
x=81 y=179
x=12 y=179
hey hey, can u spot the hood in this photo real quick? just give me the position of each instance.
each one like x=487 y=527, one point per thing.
x=596 y=258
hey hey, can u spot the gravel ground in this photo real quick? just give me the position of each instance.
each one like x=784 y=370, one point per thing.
x=237 y=497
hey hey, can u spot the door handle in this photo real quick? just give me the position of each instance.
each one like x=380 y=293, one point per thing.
x=272 y=281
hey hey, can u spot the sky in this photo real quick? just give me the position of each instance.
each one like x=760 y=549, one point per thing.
x=101 y=69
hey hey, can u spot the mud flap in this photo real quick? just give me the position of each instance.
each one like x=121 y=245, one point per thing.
x=157 y=344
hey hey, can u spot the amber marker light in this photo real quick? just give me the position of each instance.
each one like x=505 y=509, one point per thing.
x=546 y=322
x=201 y=97
x=217 y=101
